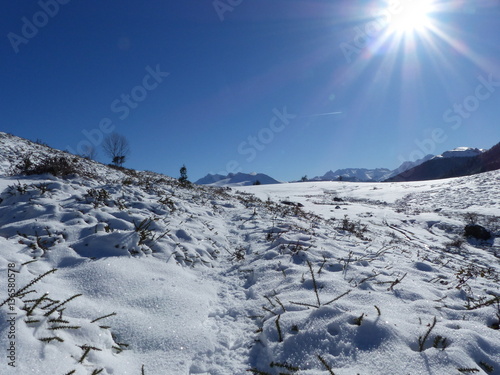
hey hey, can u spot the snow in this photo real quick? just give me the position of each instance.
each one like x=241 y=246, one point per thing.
x=238 y=179
x=461 y=152
x=212 y=281
x=370 y=175
x=355 y=174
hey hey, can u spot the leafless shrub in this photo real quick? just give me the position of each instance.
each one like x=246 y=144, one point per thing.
x=117 y=148
x=54 y=165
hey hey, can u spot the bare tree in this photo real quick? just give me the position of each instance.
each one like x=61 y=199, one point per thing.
x=116 y=147
x=89 y=152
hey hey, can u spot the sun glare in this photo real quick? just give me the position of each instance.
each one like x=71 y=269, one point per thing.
x=410 y=16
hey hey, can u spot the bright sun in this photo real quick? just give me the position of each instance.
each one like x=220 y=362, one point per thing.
x=410 y=16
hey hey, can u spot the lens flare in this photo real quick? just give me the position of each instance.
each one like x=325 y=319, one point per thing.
x=410 y=16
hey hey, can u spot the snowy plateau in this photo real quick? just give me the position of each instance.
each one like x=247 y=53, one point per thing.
x=114 y=271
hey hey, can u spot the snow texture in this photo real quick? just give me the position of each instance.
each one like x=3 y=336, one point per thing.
x=157 y=278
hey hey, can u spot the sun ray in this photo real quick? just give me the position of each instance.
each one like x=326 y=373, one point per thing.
x=461 y=48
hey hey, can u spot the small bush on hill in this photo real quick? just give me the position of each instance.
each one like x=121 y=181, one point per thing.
x=54 y=165
x=477 y=231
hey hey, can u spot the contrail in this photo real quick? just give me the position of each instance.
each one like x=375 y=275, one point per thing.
x=324 y=114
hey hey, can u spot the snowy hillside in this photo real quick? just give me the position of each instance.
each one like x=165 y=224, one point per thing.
x=407 y=165
x=122 y=272
x=462 y=161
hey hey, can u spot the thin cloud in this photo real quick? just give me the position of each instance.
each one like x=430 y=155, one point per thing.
x=324 y=114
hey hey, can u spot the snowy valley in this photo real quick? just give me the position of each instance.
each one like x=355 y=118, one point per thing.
x=114 y=271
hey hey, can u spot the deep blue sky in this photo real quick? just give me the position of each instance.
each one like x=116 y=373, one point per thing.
x=230 y=73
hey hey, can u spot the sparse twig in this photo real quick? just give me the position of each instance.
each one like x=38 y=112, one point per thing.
x=278 y=327
x=359 y=319
x=304 y=304
x=487 y=367
x=339 y=297
x=86 y=350
x=269 y=310
x=64 y=327
x=396 y=282
x=279 y=302
x=285 y=366
x=20 y=292
x=103 y=317
x=49 y=339
x=37 y=302
x=322 y=265
x=422 y=340
x=270 y=302
x=314 y=283
x=481 y=304
x=327 y=366
x=61 y=304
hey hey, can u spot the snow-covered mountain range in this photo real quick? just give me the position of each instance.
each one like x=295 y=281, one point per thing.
x=462 y=152
x=354 y=174
x=369 y=175
x=360 y=174
x=462 y=161
x=383 y=174
x=113 y=271
x=237 y=179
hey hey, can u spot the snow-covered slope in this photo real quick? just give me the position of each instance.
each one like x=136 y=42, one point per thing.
x=15 y=150
x=407 y=165
x=133 y=273
x=461 y=161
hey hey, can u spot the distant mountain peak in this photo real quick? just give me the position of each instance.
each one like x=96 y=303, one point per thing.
x=461 y=152
x=461 y=161
x=237 y=179
x=354 y=174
